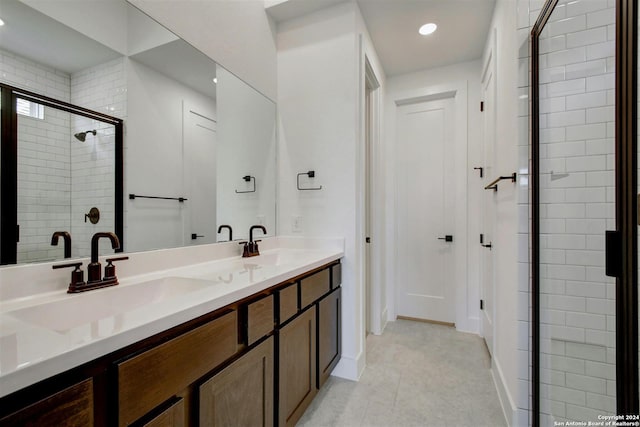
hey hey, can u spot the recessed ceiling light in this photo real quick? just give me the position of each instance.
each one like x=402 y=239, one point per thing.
x=1 y=22
x=215 y=80
x=427 y=29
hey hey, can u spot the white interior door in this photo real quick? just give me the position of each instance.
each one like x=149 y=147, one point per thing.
x=488 y=208
x=426 y=210
x=200 y=176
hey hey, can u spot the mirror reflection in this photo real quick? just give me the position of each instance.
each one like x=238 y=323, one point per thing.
x=199 y=144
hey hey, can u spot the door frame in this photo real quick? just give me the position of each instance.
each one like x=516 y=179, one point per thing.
x=489 y=64
x=466 y=318
x=626 y=90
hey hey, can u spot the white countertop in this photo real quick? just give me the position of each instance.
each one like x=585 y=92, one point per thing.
x=46 y=333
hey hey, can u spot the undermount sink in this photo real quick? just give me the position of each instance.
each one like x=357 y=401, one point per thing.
x=271 y=259
x=92 y=306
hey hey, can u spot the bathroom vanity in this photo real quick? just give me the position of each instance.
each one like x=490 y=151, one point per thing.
x=242 y=342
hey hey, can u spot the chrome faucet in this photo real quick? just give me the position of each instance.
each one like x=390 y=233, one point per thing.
x=67 y=241
x=227 y=227
x=94 y=270
x=251 y=247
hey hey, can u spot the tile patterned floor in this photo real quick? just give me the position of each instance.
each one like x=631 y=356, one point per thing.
x=417 y=374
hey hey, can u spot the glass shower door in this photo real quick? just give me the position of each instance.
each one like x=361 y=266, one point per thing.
x=576 y=87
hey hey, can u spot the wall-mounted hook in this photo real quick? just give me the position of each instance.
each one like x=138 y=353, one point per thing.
x=249 y=178
x=310 y=174
x=481 y=169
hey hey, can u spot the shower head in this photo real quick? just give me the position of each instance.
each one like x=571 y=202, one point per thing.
x=81 y=136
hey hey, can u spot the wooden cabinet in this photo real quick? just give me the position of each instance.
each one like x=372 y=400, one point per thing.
x=297 y=367
x=314 y=287
x=259 y=319
x=154 y=376
x=241 y=394
x=268 y=353
x=173 y=416
x=287 y=302
x=70 y=407
x=329 y=334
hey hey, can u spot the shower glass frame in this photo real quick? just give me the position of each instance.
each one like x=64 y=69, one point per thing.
x=9 y=232
x=626 y=212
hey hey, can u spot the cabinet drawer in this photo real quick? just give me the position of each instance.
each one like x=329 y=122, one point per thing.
x=313 y=287
x=259 y=319
x=336 y=275
x=70 y=407
x=150 y=378
x=288 y=306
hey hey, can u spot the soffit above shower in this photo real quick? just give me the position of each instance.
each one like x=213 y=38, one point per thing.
x=463 y=26
x=38 y=37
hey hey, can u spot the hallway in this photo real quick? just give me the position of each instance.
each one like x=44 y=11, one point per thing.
x=417 y=374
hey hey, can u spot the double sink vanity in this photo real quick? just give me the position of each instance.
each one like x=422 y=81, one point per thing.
x=190 y=336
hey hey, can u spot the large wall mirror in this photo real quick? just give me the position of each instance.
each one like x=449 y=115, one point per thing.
x=198 y=144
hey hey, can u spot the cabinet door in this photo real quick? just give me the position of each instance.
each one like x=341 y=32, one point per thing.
x=242 y=393
x=329 y=335
x=70 y=407
x=297 y=369
x=173 y=416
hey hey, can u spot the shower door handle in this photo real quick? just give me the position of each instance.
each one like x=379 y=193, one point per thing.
x=613 y=253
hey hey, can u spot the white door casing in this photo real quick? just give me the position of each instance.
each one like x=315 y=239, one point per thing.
x=487 y=287
x=426 y=210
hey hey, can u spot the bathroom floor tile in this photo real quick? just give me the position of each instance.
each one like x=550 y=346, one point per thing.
x=417 y=374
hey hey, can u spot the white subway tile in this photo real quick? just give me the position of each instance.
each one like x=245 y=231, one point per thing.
x=586 y=100
x=601 y=306
x=568 y=395
x=601 y=115
x=567 y=364
x=601 y=82
x=601 y=402
x=587 y=320
x=587 y=37
x=606 y=49
x=585 y=69
x=584 y=163
x=601 y=17
x=567 y=25
x=567 y=87
x=585 y=289
x=566 y=272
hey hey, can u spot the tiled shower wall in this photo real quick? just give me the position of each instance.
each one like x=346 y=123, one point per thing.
x=577 y=130
x=44 y=180
x=100 y=88
x=59 y=177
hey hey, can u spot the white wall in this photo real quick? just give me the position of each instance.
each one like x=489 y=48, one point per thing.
x=320 y=91
x=153 y=157
x=464 y=77
x=237 y=34
x=246 y=146
x=508 y=244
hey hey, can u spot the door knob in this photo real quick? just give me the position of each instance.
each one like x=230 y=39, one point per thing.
x=447 y=238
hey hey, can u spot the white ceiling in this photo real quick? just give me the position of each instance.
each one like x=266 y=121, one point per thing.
x=39 y=38
x=463 y=26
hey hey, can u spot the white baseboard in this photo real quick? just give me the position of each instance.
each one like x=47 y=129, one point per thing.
x=508 y=407
x=350 y=368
